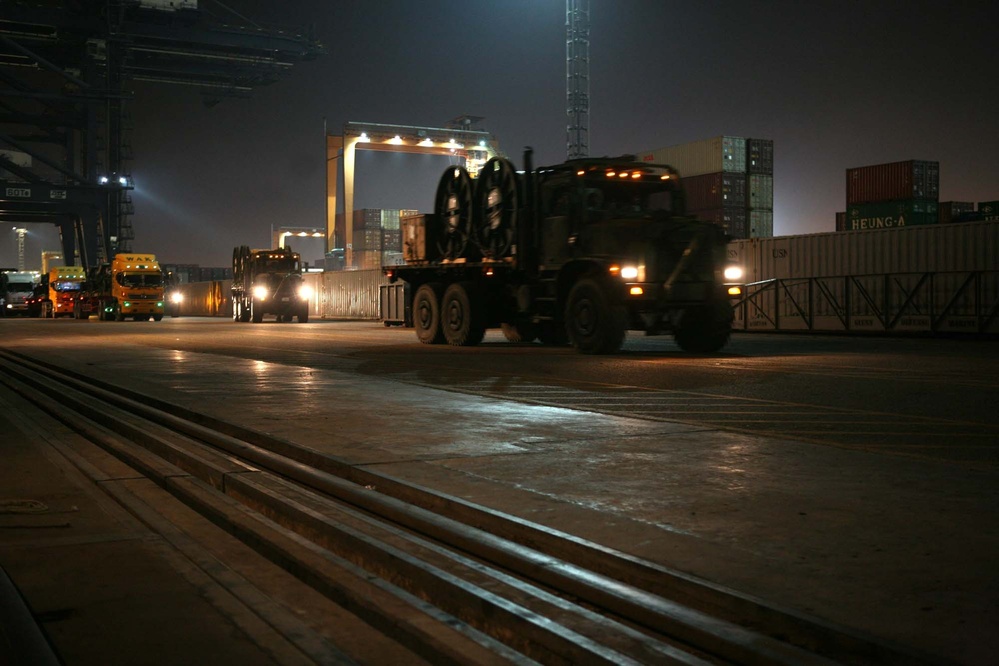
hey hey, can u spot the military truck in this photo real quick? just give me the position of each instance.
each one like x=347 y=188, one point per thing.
x=579 y=253
x=268 y=282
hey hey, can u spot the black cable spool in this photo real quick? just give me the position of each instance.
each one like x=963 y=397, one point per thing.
x=497 y=202
x=453 y=206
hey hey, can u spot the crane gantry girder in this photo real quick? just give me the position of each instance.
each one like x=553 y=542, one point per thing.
x=64 y=68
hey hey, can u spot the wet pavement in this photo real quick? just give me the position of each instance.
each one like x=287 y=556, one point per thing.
x=899 y=548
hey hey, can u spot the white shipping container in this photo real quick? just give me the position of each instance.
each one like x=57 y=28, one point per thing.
x=721 y=153
x=968 y=246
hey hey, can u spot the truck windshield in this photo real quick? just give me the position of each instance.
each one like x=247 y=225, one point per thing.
x=66 y=286
x=277 y=266
x=20 y=286
x=137 y=280
x=628 y=199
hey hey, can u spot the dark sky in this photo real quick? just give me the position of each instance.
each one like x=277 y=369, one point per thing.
x=834 y=84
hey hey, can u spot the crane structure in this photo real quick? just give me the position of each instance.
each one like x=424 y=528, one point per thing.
x=577 y=77
x=65 y=72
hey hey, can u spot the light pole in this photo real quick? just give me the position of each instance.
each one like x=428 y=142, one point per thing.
x=21 y=233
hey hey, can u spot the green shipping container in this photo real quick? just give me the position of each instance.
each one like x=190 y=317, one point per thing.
x=890 y=214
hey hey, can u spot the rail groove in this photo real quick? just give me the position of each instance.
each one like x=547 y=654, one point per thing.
x=486 y=587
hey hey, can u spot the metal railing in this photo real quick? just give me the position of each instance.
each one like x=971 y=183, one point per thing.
x=923 y=302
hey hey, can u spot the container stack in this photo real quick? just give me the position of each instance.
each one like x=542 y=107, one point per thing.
x=951 y=211
x=727 y=180
x=898 y=194
x=377 y=238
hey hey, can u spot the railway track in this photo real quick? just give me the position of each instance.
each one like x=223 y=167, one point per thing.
x=451 y=581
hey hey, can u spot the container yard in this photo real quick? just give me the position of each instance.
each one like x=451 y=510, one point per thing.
x=728 y=180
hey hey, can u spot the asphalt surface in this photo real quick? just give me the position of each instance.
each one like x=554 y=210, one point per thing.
x=880 y=515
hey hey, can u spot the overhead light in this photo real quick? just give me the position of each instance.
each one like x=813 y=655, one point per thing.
x=103 y=180
x=364 y=137
x=396 y=140
x=426 y=143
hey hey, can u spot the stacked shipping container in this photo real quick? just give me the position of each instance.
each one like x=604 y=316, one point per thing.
x=377 y=238
x=727 y=180
x=898 y=194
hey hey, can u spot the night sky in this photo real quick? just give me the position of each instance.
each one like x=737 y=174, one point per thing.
x=834 y=84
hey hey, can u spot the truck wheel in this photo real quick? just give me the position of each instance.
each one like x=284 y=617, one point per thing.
x=520 y=332
x=461 y=320
x=256 y=312
x=595 y=322
x=704 y=329
x=157 y=317
x=244 y=312
x=303 y=317
x=427 y=314
x=118 y=316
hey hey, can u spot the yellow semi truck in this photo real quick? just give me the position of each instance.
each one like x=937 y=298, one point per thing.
x=131 y=286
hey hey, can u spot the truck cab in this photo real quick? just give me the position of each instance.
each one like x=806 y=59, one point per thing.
x=65 y=287
x=16 y=291
x=268 y=282
x=130 y=287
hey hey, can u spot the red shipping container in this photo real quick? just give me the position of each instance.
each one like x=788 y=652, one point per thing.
x=715 y=190
x=912 y=179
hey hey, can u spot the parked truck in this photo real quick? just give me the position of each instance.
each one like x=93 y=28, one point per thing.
x=578 y=252
x=16 y=291
x=131 y=286
x=65 y=287
x=268 y=282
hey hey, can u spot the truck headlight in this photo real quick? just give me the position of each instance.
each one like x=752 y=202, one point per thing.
x=305 y=292
x=733 y=273
x=176 y=297
x=260 y=291
x=636 y=273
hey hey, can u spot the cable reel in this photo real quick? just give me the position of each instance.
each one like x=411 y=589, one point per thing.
x=453 y=206
x=497 y=203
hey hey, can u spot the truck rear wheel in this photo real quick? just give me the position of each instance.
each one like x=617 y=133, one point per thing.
x=460 y=319
x=427 y=314
x=256 y=312
x=595 y=322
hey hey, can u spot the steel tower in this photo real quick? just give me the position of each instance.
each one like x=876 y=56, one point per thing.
x=577 y=77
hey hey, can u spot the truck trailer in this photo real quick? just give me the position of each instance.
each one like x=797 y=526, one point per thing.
x=578 y=253
x=268 y=282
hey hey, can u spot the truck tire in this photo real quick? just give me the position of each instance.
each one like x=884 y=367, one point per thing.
x=303 y=317
x=118 y=316
x=157 y=317
x=704 y=329
x=461 y=319
x=427 y=314
x=256 y=312
x=596 y=323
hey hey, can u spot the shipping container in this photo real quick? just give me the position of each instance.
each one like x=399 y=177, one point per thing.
x=367 y=259
x=391 y=240
x=367 y=218
x=351 y=294
x=390 y=219
x=912 y=179
x=760 y=156
x=949 y=211
x=841 y=221
x=760 y=192
x=368 y=239
x=715 y=190
x=890 y=214
x=721 y=153
x=990 y=209
x=414 y=237
x=966 y=246
x=761 y=223
x=732 y=220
